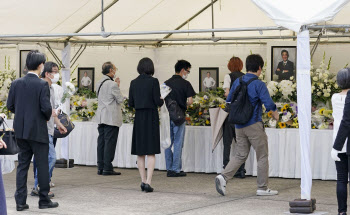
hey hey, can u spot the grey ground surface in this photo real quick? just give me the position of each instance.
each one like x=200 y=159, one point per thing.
x=81 y=191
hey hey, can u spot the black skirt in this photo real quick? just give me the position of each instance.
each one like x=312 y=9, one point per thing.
x=145 y=135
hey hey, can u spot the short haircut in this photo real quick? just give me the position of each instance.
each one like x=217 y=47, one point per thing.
x=34 y=59
x=48 y=68
x=285 y=52
x=182 y=64
x=106 y=67
x=343 y=78
x=253 y=62
x=145 y=66
x=235 y=64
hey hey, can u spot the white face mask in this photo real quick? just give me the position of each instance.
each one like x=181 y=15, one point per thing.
x=55 y=79
x=184 y=76
x=115 y=75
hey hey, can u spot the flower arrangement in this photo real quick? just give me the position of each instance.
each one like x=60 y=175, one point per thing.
x=323 y=83
x=82 y=108
x=322 y=119
x=288 y=116
x=128 y=112
x=284 y=91
x=6 y=77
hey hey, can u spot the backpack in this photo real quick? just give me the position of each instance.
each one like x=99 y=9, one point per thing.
x=177 y=115
x=241 y=109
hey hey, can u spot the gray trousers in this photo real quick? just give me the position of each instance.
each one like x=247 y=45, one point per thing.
x=253 y=135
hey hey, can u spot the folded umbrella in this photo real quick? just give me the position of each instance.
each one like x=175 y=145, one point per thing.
x=217 y=119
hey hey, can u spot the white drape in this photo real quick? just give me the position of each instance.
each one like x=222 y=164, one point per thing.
x=304 y=110
x=65 y=72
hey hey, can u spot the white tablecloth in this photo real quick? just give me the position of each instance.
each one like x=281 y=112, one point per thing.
x=284 y=151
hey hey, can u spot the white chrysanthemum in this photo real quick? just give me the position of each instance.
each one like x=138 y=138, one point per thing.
x=272 y=123
x=319 y=93
x=315 y=78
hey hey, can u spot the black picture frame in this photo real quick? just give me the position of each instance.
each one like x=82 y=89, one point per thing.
x=90 y=73
x=214 y=71
x=276 y=60
x=23 y=70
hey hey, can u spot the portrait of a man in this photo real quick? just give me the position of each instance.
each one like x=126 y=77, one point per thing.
x=86 y=78
x=283 y=63
x=208 y=78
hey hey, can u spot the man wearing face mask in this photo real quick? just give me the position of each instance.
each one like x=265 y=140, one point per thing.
x=50 y=75
x=109 y=118
x=182 y=93
x=29 y=100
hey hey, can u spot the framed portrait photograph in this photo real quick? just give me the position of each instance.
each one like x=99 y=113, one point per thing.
x=86 y=78
x=208 y=78
x=283 y=63
x=23 y=70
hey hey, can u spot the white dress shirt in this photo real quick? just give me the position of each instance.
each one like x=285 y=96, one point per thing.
x=209 y=82
x=227 y=82
x=338 y=102
x=85 y=81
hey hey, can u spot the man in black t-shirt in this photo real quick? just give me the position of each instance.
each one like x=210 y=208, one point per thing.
x=182 y=92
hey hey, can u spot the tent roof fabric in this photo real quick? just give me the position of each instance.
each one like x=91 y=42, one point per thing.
x=65 y=16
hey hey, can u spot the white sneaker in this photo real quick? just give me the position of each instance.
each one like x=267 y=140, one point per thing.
x=220 y=184
x=266 y=192
x=52 y=184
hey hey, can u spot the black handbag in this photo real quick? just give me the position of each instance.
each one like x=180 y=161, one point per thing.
x=8 y=136
x=177 y=115
x=64 y=119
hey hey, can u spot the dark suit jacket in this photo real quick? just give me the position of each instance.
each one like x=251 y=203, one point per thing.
x=144 y=93
x=344 y=128
x=285 y=76
x=29 y=100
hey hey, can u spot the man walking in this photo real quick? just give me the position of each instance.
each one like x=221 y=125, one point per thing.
x=109 y=118
x=29 y=100
x=182 y=92
x=251 y=133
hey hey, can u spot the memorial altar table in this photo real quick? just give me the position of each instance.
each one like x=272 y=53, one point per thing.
x=197 y=156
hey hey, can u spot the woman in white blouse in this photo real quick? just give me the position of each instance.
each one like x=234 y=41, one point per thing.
x=338 y=102
x=85 y=81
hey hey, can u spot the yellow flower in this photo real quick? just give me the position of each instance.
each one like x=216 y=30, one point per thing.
x=75 y=104
x=200 y=113
x=283 y=109
x=282 y=124
x=321 y=111
x=207 y=122
x=313 y=127
x=286 y=106
x=269 y=114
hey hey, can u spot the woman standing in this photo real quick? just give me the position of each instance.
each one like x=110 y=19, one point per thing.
x=235 y=66
x=341 y=157
x=144 y=96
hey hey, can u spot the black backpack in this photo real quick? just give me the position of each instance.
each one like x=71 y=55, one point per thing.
x=241 y=110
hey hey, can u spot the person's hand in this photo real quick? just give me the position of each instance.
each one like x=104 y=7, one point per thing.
x=334 y=155
x=61 y=128
x=284 y=71
x=2 y=144
x=278 y=69
x=54 y=113
x=117 y=80
x=2 y=115
x=276 y=115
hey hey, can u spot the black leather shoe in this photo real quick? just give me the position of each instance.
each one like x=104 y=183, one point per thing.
x=22 y=207
x=111 y=173
x=99 y=172
x=49 y=205
x=240 y=174
x=170 y=173
x=148 y=188
x=143 y=186
x=181 y=174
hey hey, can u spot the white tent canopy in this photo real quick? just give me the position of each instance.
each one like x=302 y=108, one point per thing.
x=20 y=17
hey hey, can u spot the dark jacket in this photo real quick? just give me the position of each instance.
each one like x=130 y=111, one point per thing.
x=344 y=128
x=234 y=76
x=144 y=93
x=29 y=100
x=285 y=76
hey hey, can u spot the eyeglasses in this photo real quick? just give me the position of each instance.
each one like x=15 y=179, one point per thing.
x=188 y=71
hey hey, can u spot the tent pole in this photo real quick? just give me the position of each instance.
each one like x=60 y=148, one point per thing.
x=212 y=18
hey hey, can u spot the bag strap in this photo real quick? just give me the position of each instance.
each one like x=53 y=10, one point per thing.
x=98 y=91
x=251 y=80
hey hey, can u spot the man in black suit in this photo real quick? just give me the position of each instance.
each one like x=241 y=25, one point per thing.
x=29 y=100
x=285 y=68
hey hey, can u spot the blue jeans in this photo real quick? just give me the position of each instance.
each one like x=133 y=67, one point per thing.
x=52 y=161
x=173 y=159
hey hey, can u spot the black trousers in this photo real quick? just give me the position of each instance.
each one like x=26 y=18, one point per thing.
x=342 y=167
x=41 y=153
x=228 y=135
x=106 y=144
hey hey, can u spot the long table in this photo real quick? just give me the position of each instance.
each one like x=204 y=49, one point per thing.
x=284 y=151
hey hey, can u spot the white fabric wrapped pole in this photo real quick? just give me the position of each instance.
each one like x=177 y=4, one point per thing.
x=66 y=78
x=304 y=110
